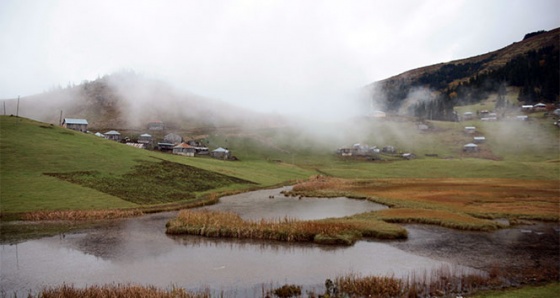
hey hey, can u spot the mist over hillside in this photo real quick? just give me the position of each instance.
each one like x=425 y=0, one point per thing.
x=127 y=100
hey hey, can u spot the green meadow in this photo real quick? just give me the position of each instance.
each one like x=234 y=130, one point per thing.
x=46 y=167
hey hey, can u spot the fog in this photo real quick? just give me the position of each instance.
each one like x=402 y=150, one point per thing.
x=292 y=58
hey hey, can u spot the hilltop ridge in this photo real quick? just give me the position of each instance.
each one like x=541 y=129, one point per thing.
x=530 y=66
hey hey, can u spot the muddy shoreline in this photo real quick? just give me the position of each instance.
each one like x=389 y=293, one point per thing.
x=521 y=254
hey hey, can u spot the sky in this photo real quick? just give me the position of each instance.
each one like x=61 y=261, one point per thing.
x=270 y=56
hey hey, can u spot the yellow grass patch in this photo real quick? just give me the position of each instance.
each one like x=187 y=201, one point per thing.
x=487 y=198
x=438 y=217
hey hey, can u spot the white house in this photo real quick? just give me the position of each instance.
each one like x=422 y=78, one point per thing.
x=75 y=124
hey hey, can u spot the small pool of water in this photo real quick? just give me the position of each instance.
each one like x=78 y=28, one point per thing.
x=272 y=204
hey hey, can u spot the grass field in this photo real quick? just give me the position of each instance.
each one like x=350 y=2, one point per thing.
x=45 y=167
x=34 y=156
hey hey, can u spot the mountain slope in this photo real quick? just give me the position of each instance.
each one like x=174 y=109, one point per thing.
x=530 y=65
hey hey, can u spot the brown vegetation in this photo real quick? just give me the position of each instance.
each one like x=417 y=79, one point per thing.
x=230 y=225
x=66 y=291
x=451 y=202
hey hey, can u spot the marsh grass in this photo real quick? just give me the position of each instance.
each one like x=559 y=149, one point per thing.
x=459 y=203
x=230 y=225
x=444 y=281
x=437 y=217
x=119 y=290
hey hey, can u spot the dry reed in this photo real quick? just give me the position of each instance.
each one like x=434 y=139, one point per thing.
x=230 y=225
x=68 y=291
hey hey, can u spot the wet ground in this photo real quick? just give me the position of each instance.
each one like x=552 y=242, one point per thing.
x=532 y=248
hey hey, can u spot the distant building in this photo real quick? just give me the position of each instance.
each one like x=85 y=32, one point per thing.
x=145 y=138
x=221 y=153
x=468 y=115
x=378 y=114
x=470 y=129
x=479 y=139
x=540 y=107
x=172 y=138
x=113 y=135
x=75 y=124
x=156 y=125
x=527 y=108
x=184 y=149
x=471 y=147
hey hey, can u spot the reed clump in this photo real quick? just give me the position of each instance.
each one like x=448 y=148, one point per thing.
x=94 y=291
x=230 y=225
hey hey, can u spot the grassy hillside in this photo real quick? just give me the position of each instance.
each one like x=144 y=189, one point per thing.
x=45 y=167
x=30 y=150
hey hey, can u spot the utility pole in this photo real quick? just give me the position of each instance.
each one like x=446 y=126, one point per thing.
x=17 y=108
x=60 y=119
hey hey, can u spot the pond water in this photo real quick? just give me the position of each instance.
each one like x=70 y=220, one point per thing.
x=138 y=251
x=272 y=204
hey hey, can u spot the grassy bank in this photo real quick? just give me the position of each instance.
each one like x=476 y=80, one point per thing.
x=546 y=291
x=344 y=231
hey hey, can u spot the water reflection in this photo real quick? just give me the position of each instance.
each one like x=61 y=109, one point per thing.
x=272 y=204
x=138 y=251
x=194 y=262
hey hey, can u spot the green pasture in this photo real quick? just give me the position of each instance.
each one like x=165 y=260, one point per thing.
x=267 y=156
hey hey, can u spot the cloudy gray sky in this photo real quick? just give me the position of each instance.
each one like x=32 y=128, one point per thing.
x=270 y=56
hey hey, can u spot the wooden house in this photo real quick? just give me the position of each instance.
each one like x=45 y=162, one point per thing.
x=113 y=135
x=75 y=124
x=184 y=149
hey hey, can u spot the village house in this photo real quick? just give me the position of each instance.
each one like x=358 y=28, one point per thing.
x=470 y=147
x=145 y=138
x=75 y=124
x=156 y=125
x=113 y=135
x=479 y=139
x=221 y=153
x=470 y=129
x=165 y=147
x=184 y=149
x=539 y=107
x=172 y=138
x=527 y=108
x=468 y=115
